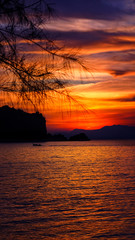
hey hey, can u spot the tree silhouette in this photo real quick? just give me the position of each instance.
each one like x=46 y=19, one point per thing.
x=24 y=22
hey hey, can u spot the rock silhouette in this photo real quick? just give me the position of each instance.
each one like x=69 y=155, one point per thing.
x=17 y=125
x=79 y=137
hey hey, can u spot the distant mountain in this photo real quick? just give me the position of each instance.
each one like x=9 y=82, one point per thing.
x=108 y=132
x=17 y=125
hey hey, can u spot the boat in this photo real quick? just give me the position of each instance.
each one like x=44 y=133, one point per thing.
x=36 y=144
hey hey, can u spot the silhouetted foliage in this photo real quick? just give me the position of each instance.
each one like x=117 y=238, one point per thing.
x=24 y=22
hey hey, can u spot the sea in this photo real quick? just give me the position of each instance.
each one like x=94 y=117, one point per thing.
x=67 y=190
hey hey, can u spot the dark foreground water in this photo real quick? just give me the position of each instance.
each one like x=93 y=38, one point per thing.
x=71 y=190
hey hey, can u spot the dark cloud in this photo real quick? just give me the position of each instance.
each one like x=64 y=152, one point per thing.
x=117 y=73
x=81 y=82
x=116 y=56
x=90 y=9
x=78 y=39
x=83 y=38
x=129 y=98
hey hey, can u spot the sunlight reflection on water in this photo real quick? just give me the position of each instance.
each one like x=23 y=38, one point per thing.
x=68 y=190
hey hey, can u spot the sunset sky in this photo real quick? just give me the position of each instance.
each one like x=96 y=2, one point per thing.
x=102 y=32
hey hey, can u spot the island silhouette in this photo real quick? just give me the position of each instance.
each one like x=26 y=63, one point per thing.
x=79 y=137
x=17 y=125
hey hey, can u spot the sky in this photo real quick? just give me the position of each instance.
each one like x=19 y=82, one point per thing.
x=102 y=33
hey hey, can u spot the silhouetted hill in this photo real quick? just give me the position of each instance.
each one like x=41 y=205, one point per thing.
x=17 y=125
x=108 y=132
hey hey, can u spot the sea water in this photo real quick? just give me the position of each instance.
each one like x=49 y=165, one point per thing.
x=67 y=190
